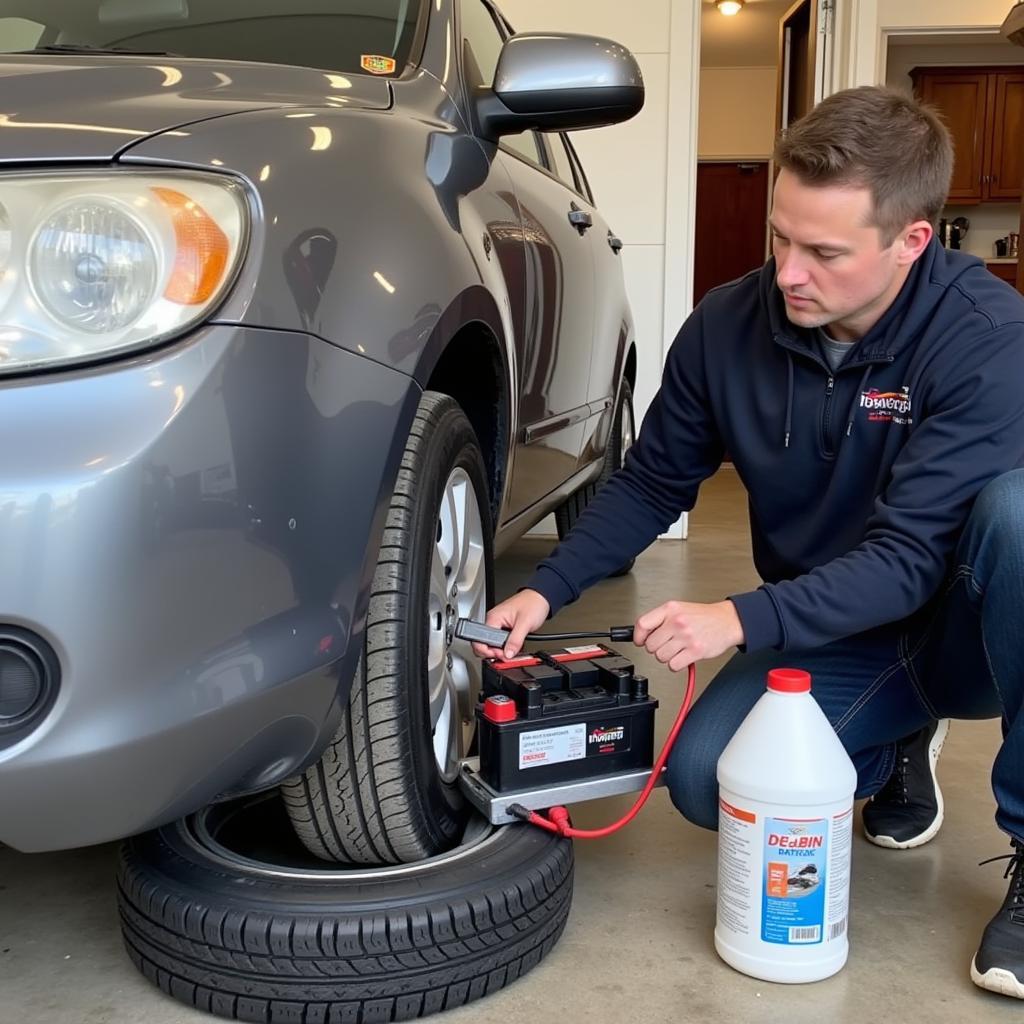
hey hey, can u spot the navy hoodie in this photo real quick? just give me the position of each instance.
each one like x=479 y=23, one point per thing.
x=859 y=481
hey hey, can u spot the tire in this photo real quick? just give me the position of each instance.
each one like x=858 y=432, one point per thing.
x=385 y=791
x=290 y=941
x=622 y=435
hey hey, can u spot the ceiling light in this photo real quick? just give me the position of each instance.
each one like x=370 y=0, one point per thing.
x=730 y=7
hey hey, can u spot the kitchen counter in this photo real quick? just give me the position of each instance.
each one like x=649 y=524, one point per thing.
x=1000 y=259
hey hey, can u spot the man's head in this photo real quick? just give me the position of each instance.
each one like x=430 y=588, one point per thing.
x=863 y=179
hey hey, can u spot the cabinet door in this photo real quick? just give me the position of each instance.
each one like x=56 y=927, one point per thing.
x=1004 y=271
x=1006 y=169
x=961 y=98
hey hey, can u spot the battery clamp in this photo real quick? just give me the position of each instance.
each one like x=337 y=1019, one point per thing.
x=563 y=727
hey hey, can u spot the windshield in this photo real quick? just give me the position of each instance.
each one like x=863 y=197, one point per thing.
x=371 y=36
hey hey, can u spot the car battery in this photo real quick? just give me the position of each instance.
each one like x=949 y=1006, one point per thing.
x=551 y=719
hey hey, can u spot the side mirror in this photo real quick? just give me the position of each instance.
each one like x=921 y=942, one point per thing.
x=560 y=83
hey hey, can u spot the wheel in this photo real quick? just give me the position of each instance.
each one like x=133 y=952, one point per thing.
x=384 y=791
x=620 y=439
x=222 y=922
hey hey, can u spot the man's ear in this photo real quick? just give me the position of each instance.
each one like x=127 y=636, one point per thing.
x=913 y=241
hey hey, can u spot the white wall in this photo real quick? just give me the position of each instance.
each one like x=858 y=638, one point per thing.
x=641 y=171
x=940 y=13
x=871 y=21
x=903 y=59
x=737 y=113
x=748 y=40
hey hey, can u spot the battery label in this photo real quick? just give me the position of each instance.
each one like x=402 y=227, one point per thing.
x=607 y=739
x=587 y=649
x=552 y=746
x=795 y=861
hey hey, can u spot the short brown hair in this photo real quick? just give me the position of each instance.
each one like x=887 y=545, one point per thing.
x=874 y=138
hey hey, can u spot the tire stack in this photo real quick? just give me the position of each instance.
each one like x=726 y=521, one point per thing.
x=300 y=945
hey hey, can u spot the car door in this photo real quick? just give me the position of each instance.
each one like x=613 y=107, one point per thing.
x=554 y=350
x=612 y=327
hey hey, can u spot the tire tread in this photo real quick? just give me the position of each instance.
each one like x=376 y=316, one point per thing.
x=361 y=965
x=355 y=805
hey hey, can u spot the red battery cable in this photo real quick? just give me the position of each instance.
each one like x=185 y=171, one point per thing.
x=558 y=821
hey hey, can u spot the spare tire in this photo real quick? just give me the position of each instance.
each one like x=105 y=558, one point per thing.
x=222 y=922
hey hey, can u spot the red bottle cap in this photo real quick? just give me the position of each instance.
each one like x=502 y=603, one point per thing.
x=500 y=708
x=789 y=680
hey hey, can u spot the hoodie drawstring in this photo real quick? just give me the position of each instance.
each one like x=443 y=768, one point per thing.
x=789 y=398
x=856 y=400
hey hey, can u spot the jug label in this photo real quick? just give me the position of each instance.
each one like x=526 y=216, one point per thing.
x=795 y=880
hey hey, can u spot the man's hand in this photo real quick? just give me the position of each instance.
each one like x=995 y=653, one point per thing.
x=522 y=614
x=679 y=633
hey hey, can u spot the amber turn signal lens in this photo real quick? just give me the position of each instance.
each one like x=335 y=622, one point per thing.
x=202 y=253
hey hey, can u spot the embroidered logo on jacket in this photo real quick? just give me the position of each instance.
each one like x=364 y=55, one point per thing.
x=887 y=406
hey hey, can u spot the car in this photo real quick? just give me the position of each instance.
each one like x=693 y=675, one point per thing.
x=306 y=311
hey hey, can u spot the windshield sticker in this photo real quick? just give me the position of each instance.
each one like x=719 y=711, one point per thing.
x=378 y=65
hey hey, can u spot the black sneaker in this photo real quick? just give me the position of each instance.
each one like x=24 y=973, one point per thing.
x=999 y=963
x=907 y=810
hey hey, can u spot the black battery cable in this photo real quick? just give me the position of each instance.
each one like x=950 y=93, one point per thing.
x=557 y=819
x=492 y=636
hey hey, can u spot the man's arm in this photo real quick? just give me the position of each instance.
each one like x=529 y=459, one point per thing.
x=972 y=432
x=678 y=447
x=677 y=633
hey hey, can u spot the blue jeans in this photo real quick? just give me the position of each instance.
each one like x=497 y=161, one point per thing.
x=962 y=656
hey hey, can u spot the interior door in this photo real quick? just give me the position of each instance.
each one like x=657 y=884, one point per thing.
x=797 y=59
x=806 y=58
x=731 y=234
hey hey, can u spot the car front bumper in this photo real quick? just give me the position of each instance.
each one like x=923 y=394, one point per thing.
x=193 y=533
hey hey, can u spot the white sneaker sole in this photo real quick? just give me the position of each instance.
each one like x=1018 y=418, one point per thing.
x=997 y=980
x=934 y=749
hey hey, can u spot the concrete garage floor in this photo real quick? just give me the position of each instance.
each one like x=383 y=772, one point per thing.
x=638 y=946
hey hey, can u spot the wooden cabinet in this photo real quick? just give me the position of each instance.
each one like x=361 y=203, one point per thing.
x=1004 y=271
x=1006 y=165
x=984 y=109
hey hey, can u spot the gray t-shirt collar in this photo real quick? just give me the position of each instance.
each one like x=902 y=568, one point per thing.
x=833 y=351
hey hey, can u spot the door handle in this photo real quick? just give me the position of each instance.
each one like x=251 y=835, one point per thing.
x=614 y=243
x=580 y=219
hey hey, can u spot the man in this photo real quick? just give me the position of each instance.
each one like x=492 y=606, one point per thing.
x=869 y=386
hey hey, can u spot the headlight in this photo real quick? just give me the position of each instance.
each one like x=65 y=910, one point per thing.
x=93 y=266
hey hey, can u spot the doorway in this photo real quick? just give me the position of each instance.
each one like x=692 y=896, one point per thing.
x=740 y=59
x=731 y=222
x=806 y=58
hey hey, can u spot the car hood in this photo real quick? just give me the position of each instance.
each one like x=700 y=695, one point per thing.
x=71 y=108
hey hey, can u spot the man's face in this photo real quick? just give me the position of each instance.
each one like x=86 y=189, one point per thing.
x=830 y=264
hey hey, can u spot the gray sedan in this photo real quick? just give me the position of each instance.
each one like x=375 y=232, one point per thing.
x=306 y=311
